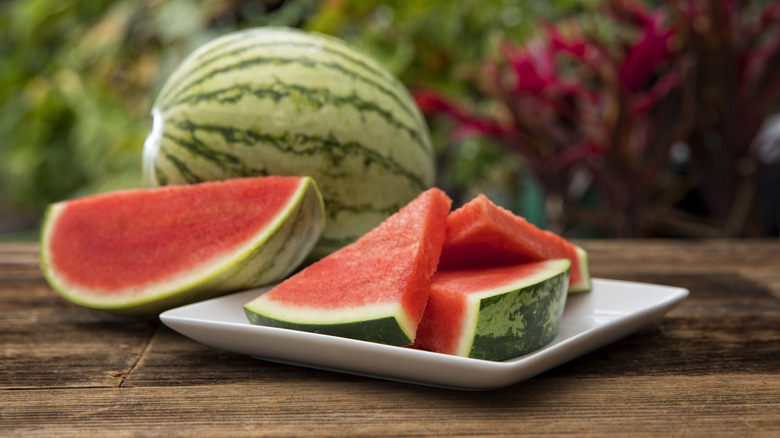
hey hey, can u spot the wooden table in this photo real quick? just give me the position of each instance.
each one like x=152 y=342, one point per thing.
x=711 y=365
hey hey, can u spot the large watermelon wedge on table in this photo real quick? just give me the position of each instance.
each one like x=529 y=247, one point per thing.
x=279 y=101
x=374 y=289
x=145 y=250
x=494 y=313
x=482 y=234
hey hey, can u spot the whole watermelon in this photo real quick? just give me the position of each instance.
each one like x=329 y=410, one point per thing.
x=279 y=101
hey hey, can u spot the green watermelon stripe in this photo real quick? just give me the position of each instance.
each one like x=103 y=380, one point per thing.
x=302 y=61
x=292 y=143
x=336 y=207
x=220 y=55
x=222 y=159
x=317 y=98
x=160 y=175
x=188 y=175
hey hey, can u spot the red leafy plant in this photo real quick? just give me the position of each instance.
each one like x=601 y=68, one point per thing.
x=736 y=82
x=595 y=114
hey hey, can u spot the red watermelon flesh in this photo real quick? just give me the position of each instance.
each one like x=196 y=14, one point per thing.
x=482 y=234
x=126 y=249
x=374 y=289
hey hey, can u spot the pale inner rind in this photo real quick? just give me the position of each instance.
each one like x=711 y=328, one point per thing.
x=584 y=272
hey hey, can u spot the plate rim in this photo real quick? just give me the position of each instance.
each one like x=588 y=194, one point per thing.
x=501 y=373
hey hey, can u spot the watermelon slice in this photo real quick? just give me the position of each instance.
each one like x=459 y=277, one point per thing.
x=494 y=313
x=374 y=289
x=481 y=234
x=142 y=251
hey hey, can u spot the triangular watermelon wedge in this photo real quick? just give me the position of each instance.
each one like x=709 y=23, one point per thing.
x=482 y=234
x=142 y=251
x=375 y=289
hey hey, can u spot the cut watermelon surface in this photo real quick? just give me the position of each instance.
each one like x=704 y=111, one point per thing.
x=481 y=234
x=142 y=251
x=374 y=289
x=494 y=313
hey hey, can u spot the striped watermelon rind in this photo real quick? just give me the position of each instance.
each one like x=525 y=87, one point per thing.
x=273 y=254
x=278 y=101
x=497 y=322
x=522 y=319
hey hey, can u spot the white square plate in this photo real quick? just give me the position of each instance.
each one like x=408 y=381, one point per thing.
x=612 y=310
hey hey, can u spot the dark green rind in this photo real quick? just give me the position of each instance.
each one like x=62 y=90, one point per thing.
x=270 y=261
x=382 y=330
x=534 y=313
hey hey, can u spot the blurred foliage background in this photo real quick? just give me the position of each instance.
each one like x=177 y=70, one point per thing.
x=78 y=79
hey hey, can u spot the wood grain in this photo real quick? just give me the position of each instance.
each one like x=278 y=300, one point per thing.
x=561 y=405
x=709 y=367
x=49 y=342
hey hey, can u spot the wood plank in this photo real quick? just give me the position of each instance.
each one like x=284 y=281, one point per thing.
x=584 y=406
x=608 y=257
x=23 y=253
x=49 y=342
x=19 y=260
x=768 y=278
x=173 y=360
